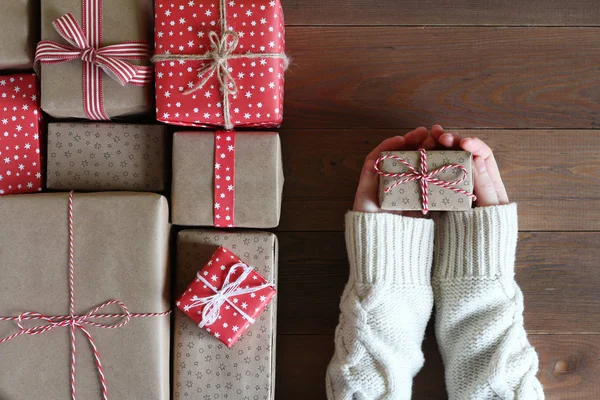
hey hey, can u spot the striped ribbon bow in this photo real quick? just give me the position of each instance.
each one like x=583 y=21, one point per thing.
x=424 y=176
x=85 y=44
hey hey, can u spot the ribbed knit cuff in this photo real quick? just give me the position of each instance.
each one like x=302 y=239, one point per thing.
x=479 y=242
x=389 y=247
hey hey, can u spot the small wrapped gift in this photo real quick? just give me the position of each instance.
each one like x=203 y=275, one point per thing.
x=106 y=156
x=425 y=180
x=95 y=58
x=227 y=179
x=19 y=33
x=203 y=366
x=117 y=298
x=220 y=65
x=20 y=159
x=226 y=296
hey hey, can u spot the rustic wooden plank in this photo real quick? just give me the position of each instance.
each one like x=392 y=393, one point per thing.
x=441 y=12
x=393 y=77
x=569 y=365
x=554 y=175
x=557 y=272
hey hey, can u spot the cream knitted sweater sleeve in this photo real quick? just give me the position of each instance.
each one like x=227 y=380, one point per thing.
x=384 y=308
x=479 y=307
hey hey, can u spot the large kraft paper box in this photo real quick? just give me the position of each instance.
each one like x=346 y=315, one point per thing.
x=204 y=368
x=106 y=156
x=258 y=179
x=18 y=36
x=120 y=253
x=122 y=21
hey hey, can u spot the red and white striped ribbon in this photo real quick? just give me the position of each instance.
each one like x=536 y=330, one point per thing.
x=423 y=176
x=85 y=44
x=73 y=321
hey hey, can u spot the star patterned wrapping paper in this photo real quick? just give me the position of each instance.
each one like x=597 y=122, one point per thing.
x=184 y=26
x=236 y=314
x=408 y=196
x=205 y=368
x=106 y=156
x=20 y=119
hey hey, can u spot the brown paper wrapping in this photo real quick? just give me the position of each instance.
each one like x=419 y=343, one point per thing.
x=19 y=33
x=121 y=253
x=61 y=83
x=407 y=196
x=203 y=366
x=106 y=156
x=258 y=179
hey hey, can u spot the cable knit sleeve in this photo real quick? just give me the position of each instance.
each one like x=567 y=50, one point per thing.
x=479 y=307
x=384 y=308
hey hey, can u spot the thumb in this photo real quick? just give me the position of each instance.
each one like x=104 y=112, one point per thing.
x=485 y=190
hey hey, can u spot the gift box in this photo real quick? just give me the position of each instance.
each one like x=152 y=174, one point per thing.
x=119 y=266
x=19 y=33
x=227 y=179
x=106 y=156
x=425 y=180
x=221 y=65
x=203 y=366
x=20 y=158
x=98 y=67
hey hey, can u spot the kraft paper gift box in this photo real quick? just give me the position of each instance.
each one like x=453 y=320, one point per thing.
x=106 y=156
x=120 y=253
x=240 y=186
x=203 y=366
x=122 y=21
x=19 y=34
x=409 y=195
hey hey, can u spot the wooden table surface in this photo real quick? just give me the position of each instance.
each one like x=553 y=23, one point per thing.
x=522 y=75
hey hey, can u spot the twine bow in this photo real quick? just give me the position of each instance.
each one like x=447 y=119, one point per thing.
x=424 y=177
x=213 y=303
x=85 y=44
x=73 y=321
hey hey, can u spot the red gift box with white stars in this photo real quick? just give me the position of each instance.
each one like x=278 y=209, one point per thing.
x=190 y=92
x=20 y=117
x=233 y=292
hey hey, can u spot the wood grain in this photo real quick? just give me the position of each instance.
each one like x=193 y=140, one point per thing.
x=568 y=367
x=554 y=175
x=557 y=272
x=474 y=77
x=441 y=12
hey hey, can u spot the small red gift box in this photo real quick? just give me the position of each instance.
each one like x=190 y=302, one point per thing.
x=220 y=63
x=226 y=296
x=20 y=116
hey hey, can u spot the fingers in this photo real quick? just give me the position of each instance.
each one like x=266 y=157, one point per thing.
x=366 y=194
x=485 y=190
x=390 y=144
x=437 y=131
x=414 y=138
x=480 y=149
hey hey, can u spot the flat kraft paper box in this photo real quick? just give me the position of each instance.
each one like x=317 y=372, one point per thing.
x=203 y=366
x=408 y=196
x=19 y=33
x=121 y=253
x=122 y=21
x=106 y=156
x=258 y=179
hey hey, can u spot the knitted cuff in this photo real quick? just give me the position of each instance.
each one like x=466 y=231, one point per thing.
x=390 y=248
x=479 y=242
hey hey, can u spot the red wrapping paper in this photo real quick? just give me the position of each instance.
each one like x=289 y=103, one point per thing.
x=183 y=27
x=20 y=117
x=231 y=323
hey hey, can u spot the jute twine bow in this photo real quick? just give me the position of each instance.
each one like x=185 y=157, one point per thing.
x=221 y=50
x=213 y=303
x=73 y=321
x=424 y=177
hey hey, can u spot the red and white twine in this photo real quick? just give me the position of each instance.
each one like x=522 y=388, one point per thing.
x=73 y=321
x=424 y=177
x=85 y=44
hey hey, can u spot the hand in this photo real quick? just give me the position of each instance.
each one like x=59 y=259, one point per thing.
x=366 y=194
x=488 y=186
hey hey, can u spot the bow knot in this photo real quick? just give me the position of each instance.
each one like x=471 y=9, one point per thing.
x=89 y=55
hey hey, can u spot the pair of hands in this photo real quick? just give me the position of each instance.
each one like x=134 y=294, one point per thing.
x=488 y=186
